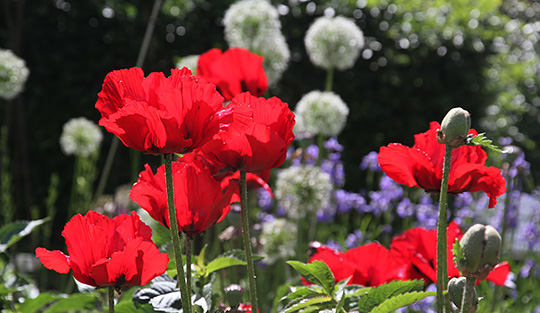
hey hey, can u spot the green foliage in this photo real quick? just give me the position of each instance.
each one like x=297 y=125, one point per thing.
x=13 y=232
x=458 y=252
x=316 y=272
x=378 y=295
x=482 y=140
x=48 y=302
x=399 y=301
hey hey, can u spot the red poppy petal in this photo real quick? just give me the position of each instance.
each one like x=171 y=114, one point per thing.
x=477 y=177
x=499 y=274
x=54 y=260
x=118 y=85
x=399 y=163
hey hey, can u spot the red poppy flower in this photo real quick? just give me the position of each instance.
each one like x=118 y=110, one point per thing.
x=421 y=166
x=234 y=71
x=258 y=137
x=419 y=246
x=159 y=114
x=367 y=265
x=107 y=251
x=200 y=201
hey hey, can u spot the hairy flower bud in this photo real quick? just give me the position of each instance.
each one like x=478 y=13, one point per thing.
x=481 y=246
x=456 y=286
x=455 y=127
x=234 y=294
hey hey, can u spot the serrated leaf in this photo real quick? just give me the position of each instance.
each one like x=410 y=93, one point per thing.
x=34 y=305
x=399 y=301
x=304 y=303
x=482 y=140
x=130 y=307
x=316 y=272
x=13 y=232
x=200 y=260
x=458 y=252
x=381 y=293
x=301 y=292
x=75 y=302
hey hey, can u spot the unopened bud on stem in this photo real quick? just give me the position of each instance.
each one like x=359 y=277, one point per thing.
x=455 y=127
x=481 y=246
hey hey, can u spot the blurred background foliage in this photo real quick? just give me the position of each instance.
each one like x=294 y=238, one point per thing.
x=421 y=58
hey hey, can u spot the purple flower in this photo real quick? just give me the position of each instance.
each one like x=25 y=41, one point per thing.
x=345 y=201
x=334 y=245
x=312 y=153
x=370 y=162
x=333 y=145
x=405 y=208
x=354 y=239
x=526 y=268
x=326 y=215
x=505 y=141
x=264 y=199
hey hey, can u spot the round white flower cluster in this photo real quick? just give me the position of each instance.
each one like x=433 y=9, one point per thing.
x=334 y=42
x=80 y=136
x=320 y=112
x=13 y=74
x=278 y=240
x=255 y=25
x=190 y=62
x=303 y=189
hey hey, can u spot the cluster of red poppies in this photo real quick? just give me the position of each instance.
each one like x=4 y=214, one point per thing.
x=412 y=255
x=182 y=114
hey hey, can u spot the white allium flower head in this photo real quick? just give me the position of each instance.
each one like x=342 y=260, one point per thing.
x=303 y=189
x=322 y=112
x=255 y=25
x=334 y=42
x=13 y=74
x=80 y=136
x=190 y=62
x=278 y=240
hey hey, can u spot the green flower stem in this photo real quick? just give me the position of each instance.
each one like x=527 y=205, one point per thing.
x=329 y=79
x=186 y=298
x=320 y=145
x=468 y=301
x=442 y=271
x=110 y=292
x=247 y=242
x=188 y=263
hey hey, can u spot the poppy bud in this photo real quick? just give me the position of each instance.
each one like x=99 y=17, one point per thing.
x=481 y=246
x=456 y=286
x=455 y=127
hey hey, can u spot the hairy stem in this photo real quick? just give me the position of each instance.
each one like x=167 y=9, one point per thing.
x=442 y=271
x=329 y=79
x=186 y=298
x=110 y=292
x=468 y=302
x=247 y=242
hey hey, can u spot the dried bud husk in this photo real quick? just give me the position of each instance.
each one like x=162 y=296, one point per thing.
x=456 y=286
x=455 y=127
x=481 y=246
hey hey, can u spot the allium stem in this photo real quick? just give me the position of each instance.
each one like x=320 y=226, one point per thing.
x=247 y=242
x=186 y=298
x=442 y=271
x=110 y=293
x=329 y=79
x=468 y=301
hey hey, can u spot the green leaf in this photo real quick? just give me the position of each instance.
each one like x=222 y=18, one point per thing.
x=316 y=272
x=75 y=302
x=399 y=301
x=317 y=302
x=130 y=307
x=34 y=305
x=381 y=293
x=482 y=140
x=458 y=252
x=200 y=260
x=13 y=232
x=221 y=263
x=301 y=292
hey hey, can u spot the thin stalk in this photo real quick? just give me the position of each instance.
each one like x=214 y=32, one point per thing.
x=188 y=263
x=139 y=63
x=110 y=292
x=320 y=146
x=329 y=79
x=442 y=271
x=186 y=298
x=247 y=242
x=468 y=301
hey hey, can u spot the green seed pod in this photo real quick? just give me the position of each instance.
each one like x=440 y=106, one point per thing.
x=481 y=246
x=456 y=286
x=455 y=127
